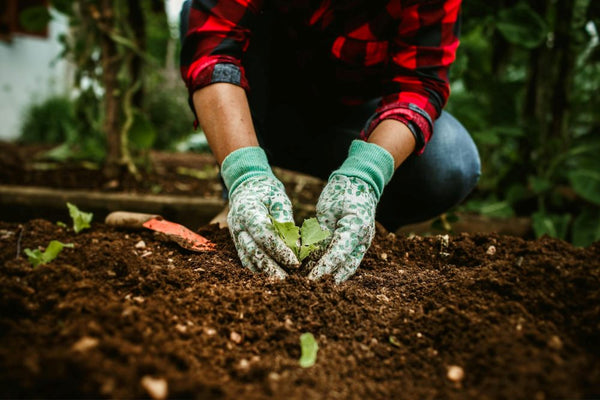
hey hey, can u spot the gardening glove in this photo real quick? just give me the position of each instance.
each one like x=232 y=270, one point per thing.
x=346 y=207
x=256 y=195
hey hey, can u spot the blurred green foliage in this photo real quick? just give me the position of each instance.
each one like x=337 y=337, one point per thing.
x=525 y=85
x=154 y=111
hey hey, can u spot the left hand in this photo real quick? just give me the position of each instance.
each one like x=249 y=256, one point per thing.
x=346 y=207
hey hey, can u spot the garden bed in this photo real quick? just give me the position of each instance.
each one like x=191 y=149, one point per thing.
x=124 y=314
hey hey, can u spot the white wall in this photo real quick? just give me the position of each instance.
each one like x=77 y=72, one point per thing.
x=30 y=72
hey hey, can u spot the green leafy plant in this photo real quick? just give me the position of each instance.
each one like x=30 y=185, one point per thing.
x=304 y=240
x=37 y=257
x=309 y=348
x=81 y=220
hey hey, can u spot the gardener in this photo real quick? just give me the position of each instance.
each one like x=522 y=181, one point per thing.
x=347 y=90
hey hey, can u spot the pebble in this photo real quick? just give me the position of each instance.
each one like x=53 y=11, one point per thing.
x=288 y=324
x=384 y=256
x=235 y=337
x=210 y=331
x=140 y=245
x=157 y=388
x=181 y=328
x=455 y=373
x=85 y=343
x=244 y=364
x=491 y=250
x=274 y=376
x=555 y=343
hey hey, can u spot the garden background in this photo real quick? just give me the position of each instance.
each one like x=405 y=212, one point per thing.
x=525 y=85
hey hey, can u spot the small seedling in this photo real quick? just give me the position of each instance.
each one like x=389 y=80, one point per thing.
x=36 y=257
x=309 y=348
x=81 y=220
x=303 y=241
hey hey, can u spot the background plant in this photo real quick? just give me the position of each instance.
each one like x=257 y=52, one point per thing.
x=127 y=86
x=525 y=85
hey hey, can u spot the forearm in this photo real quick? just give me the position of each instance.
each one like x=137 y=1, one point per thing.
x=396 y=138
x=224 y=115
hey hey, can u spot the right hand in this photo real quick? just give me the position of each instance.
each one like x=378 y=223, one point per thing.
x=259 y=246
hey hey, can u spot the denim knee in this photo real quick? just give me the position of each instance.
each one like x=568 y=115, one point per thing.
x=428 y=185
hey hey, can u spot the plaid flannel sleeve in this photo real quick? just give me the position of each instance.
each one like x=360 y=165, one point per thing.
x=218 y=35
x=419 y=58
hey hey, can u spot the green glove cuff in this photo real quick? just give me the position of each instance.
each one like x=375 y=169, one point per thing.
x=369 y=162
x=243 y=164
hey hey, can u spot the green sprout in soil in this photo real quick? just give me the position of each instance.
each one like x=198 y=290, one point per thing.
x=81 y=220
x=36 y=257
x=309 y=348
x=304 y=240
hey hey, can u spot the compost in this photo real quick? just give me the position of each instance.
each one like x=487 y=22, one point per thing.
x=126 y=314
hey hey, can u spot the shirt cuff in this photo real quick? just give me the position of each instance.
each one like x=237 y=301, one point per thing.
x=415 y=118
x=214 y=69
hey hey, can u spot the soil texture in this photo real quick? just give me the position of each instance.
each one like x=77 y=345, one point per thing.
x=125 y=314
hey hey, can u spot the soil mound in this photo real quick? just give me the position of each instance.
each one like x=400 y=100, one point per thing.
x=127 y=315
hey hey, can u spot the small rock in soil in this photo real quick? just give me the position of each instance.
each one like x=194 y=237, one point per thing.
x=140 y=245
x=491 y=250
x=157 y=388
x=85 y=343
x=235 y=337
x=555 y=343
x=455 y=373
x=243 y=365
x=210 y=331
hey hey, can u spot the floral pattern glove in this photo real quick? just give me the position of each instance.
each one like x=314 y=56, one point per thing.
x=256 y=195
x=346 y=207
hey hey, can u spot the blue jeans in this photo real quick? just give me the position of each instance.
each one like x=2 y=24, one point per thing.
x=312 y=134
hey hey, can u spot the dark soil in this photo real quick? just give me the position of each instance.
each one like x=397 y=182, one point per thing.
x=521 y=318
x=189 y=174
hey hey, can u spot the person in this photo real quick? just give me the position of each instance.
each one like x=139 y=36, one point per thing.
x=351 y=91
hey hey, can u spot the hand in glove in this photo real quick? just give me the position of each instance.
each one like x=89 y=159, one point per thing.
x=255 y=195
x=347 y=206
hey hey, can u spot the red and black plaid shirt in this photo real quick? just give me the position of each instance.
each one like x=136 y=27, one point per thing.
x=399 y=50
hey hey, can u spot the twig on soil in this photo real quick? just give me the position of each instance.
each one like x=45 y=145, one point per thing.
x=21 y=229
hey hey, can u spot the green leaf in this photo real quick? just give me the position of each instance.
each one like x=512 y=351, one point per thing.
x=36 y=257
x=289 y=232
x=554 y=225
x=586 y=227
x=539 y=185
x=306 y=251
x=586 y=183
x=311 y=234
x=522 y=26
x=35 y=19
x=309 y=348
x=81 y=220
